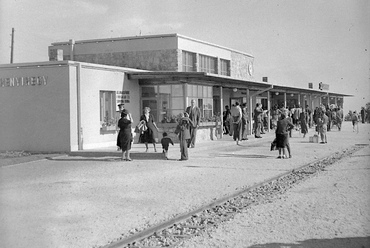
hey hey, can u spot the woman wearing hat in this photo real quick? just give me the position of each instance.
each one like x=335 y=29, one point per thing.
x=148 y=136
x=125 y=135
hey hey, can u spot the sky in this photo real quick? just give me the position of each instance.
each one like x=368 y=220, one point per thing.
x=294 y=42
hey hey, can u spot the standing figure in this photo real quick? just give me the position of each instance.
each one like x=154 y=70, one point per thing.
x=323 y=125
x=283 y=127
x=339 y=118
x=363 y=114
x=194 y=115
x=245 y=122
x=355 y=118
x=166 y=141
x=148 y=136
x=183 y=132
x=226 y=117
x=303 y=123
x=258 y=120
x=328 y=114
x=125 y=134
x=121 y=107
x=236 y=114
x=274 y=116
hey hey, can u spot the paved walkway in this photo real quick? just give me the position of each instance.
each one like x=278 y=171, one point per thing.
x=92 y=197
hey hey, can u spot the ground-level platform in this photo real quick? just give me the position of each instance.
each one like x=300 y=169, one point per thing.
x=92 y=197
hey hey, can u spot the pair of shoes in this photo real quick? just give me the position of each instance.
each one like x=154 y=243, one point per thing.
x=258 y=137
x=322 y=142
x=182 y=160
x=279 y=156
x=128 y=159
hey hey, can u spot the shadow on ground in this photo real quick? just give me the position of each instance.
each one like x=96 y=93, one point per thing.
x=353 y=242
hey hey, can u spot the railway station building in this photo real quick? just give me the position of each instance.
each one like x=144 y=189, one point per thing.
x=69 y=103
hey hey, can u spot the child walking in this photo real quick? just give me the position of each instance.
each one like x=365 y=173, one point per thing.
x=166 y=141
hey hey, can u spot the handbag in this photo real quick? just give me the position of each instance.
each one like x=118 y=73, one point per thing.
x=273 y=145
x=141 y=127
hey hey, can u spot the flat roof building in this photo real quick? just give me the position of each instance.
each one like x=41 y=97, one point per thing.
x=70 y=102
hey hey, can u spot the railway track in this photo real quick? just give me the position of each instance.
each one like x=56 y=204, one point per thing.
x=172 y=232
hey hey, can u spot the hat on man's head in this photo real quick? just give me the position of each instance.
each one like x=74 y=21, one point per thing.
x=120 y=104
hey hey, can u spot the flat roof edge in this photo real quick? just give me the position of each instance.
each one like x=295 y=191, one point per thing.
x=149 y=37
x=69 y=62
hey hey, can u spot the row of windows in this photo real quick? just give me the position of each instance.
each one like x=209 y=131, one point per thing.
x=206 y=64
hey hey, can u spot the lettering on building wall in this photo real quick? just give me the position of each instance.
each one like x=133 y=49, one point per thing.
x=123 y=96
x=23 y=81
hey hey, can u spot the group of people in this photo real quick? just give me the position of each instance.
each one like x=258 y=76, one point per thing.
x=188 y=123
x=235 y=121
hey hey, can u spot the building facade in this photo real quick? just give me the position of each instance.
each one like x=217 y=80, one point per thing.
x=70 y=102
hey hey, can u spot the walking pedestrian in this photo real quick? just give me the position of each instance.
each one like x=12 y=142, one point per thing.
x=355 y=118
x=166 y=141
x=322 y=123
x=245 y=121
x=148 y=136
x=194 y=115
x=236 y=113
x=125 y=134
x=302 y=122
x=183 y=132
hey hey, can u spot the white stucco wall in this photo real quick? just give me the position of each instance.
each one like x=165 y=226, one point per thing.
x=42 y=115
x=35 y=117
x=101 y=78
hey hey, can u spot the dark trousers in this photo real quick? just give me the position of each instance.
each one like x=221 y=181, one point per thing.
x=257 y=128
x=184 y=149
x=193 y=136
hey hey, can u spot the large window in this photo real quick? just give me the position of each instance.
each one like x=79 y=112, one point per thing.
x=207 y=64
x=188 y=61
x=204 y=96
x=107 y=108
x=224 y=67
x=165 y=101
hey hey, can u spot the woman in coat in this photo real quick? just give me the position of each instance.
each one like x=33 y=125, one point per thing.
x=284 y=125
x=148 y=136
x=183 y=132
x=125 y=135
x=303 y=123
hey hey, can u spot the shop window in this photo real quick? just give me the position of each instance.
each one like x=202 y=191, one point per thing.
x=149 y=91
x=207 y=64
x=107 y=109
x=225 y=67
x=204 y=97
x=188 y=61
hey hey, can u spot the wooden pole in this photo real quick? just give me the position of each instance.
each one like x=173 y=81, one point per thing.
x=12 y=47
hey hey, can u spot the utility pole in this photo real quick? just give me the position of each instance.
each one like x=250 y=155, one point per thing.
x=12 y=47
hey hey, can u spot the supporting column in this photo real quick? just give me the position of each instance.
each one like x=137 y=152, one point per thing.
x=285 y=106
x=249 y=106
x=268 y=111
x=222 y=110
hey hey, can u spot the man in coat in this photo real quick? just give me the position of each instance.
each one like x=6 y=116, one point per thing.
x=258 y=120
x=194 y=115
